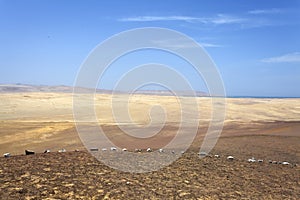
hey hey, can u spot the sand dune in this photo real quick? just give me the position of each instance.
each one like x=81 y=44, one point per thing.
x=57 y=107
x=45 y=120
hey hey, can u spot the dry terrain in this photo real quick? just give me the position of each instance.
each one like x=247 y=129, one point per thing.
x=267 y=129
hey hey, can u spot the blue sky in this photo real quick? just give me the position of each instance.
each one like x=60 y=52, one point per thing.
x=255 y=44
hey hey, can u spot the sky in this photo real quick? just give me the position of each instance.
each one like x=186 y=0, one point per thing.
x=255 y=44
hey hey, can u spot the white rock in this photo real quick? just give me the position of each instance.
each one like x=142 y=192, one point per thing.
x=6 y=155
x=202 y=153
x=62 y=150
x=113 y=148
x=230 y=157
x=149 y=149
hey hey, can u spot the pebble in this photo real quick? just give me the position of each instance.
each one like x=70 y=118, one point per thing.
x=69 y=185
x=48 y=169
x=100 y=191
x=182 y=194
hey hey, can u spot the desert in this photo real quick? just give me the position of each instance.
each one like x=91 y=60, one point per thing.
x=149 y=100
x=262 y=128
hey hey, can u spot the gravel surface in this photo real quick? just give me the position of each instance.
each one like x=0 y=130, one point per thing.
x=78 y=175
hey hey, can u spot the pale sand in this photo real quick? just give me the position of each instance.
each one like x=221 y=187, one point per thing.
x=45 y=120
x=57 y=107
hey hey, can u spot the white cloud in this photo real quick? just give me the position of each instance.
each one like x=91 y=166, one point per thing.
x=159 y=18
x=226 y=19
x=219 y=19
x=181 y=43
x=287 y=58
x=209 y=45
x=265 y=11
x=252 y=19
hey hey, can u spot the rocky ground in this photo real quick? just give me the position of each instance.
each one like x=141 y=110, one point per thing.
x=78 y=175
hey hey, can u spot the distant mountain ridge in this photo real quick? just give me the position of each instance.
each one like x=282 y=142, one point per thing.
x=24 y=88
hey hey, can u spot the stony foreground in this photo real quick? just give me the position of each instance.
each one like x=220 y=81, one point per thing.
x=78 y=175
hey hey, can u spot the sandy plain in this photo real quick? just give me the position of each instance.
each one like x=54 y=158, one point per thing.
x=263 y=128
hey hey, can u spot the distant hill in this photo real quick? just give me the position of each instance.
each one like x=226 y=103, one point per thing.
x=24 y=88
x=20 y=88
x=168 y=93
x=11 y=88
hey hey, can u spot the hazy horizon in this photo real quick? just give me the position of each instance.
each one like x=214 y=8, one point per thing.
x=144 y=91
